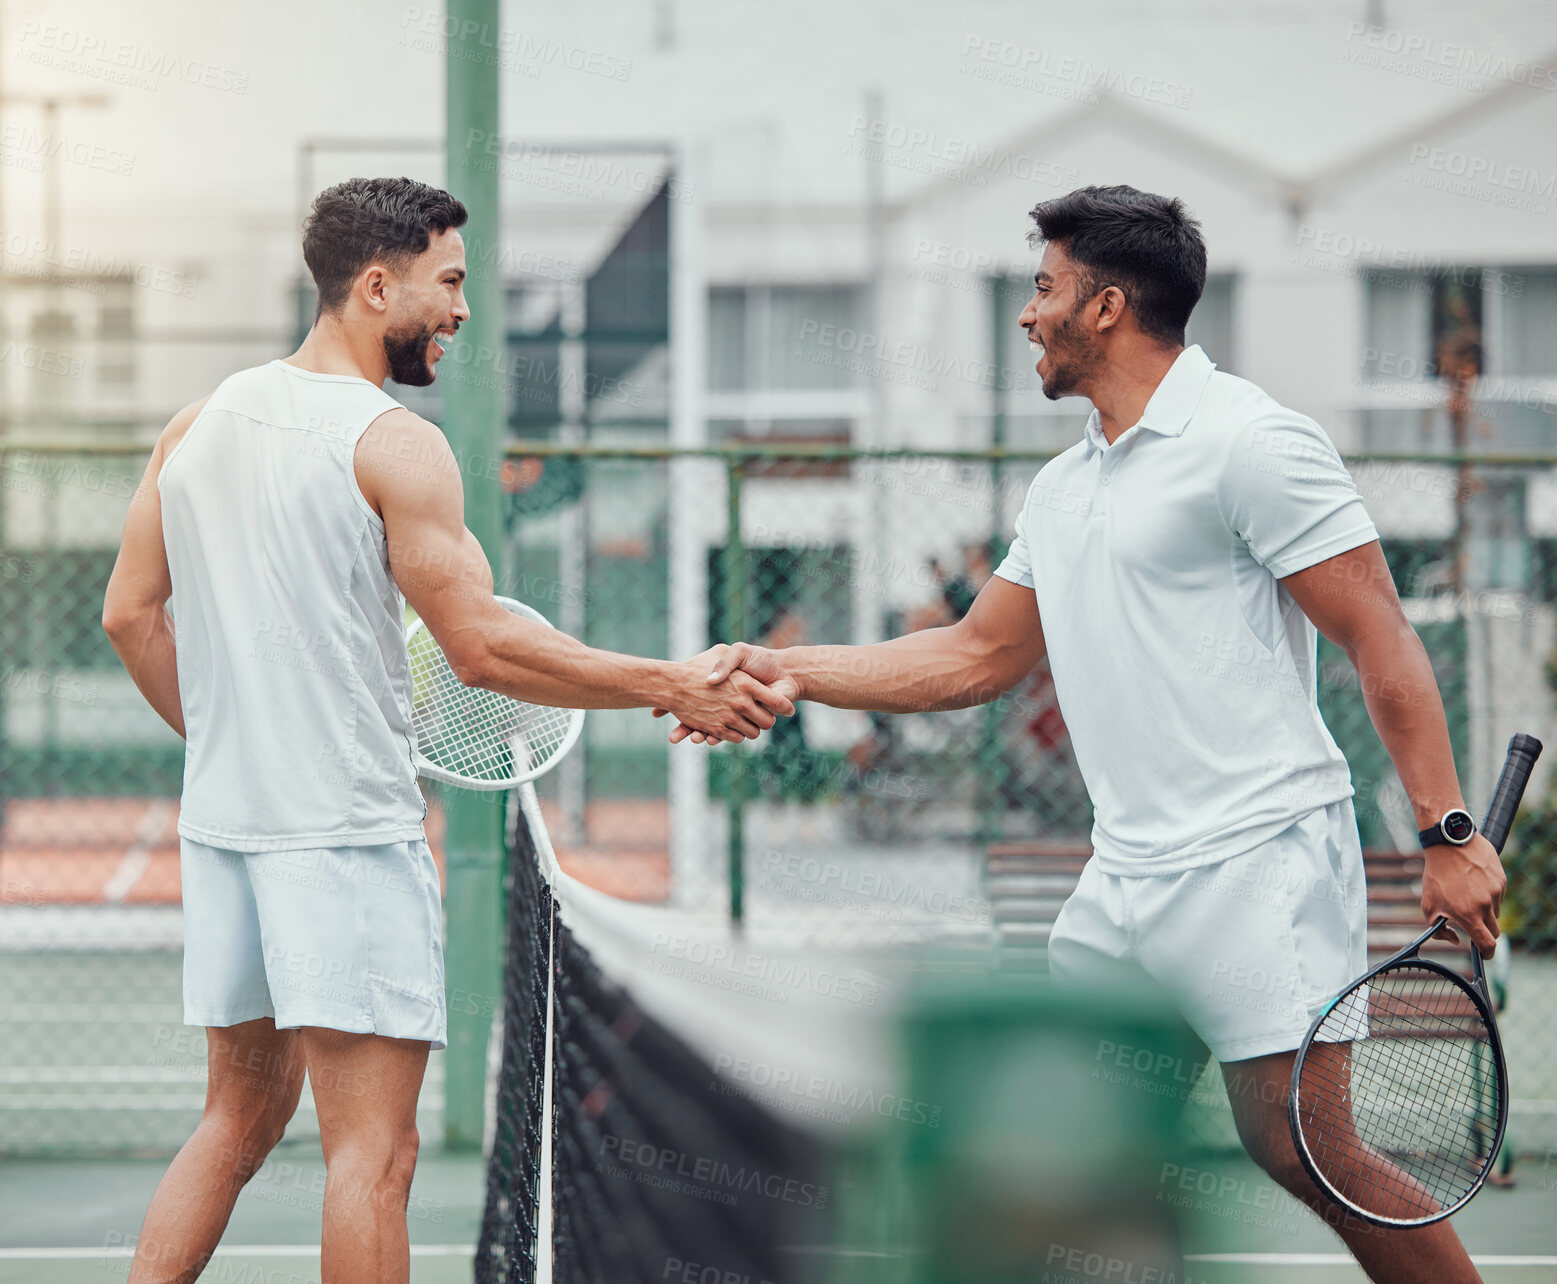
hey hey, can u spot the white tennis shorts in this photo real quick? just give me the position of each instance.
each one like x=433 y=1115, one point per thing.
x=1248 y=948
x=349 y=938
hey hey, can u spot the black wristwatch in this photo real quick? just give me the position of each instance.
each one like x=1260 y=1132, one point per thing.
x=1457 y=828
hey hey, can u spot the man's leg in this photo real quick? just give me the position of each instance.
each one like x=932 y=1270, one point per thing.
x=366 y=1087
x=256 y=1074
x=1258 y=1091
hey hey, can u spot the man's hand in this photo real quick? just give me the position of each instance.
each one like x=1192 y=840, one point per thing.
x=729 y=703
x=988 y=651
x=742 y=670
x=1465 y=884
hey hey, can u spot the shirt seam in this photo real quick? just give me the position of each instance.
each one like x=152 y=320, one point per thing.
x=1355 y=537
x=351 y=466
x=179 y=445
x=358 y=683
x=1114 y=864
x=291 y=842
x=324 y=375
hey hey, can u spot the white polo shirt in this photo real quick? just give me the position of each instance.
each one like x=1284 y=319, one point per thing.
x=1185 y=673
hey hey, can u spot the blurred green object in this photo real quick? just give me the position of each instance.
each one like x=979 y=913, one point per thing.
x=1345 y=711
x=1051 y=1118
x=534 y=487
x=1530 y=903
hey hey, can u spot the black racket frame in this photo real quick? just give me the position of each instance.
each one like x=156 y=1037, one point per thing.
x=1523 y=750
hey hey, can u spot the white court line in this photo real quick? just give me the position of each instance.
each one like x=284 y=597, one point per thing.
x=70 y=929
x=137 y=856
x=91 y=1013
x=103 y=1074
x=235 y=1250
x=1344 y=1259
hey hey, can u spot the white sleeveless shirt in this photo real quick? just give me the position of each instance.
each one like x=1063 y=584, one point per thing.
x=288 y=626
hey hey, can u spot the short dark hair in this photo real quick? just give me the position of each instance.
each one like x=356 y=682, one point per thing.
x=1147 y=245
x=363 y=220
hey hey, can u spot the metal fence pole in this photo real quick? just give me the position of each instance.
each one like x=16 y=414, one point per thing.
x=473 y=422
x=735 y=622
x=988 y=784
x=690 y=531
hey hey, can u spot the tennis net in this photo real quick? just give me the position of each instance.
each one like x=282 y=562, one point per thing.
x=624 y=1149
x=678 y=1100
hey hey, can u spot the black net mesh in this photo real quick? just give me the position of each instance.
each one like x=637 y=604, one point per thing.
x=658 y=1160
x=510 y=1228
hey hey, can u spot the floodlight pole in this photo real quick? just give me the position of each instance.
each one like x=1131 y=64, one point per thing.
x=473 y=423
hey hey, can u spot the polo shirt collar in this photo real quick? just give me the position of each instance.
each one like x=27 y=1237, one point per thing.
x=1171 y=405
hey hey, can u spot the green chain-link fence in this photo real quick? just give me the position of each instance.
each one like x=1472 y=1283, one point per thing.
x=849 y=825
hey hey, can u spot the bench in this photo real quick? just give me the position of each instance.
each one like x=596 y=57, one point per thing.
x=1027 y=882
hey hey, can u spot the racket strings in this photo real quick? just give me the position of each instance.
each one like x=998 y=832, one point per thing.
x=1399 y=1095
x=474 y=733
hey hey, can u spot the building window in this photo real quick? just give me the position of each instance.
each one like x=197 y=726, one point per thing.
x=1424 y=325
x=1527 y=301
x=116 y=340
x=1211 y=323
x=1483 y=341
x=784 y=338
x=785 y=364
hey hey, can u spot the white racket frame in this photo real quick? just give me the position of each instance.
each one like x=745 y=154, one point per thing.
x=432 y=771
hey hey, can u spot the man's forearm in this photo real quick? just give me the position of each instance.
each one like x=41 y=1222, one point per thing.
x=544 y=666
x=1407 y=711
x=145 y=646
x=918 y=673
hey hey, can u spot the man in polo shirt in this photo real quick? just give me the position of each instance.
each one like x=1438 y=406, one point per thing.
x=1174 y=565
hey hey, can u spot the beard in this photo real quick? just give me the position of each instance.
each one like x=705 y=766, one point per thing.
x=406 y=351
x=1071 y=359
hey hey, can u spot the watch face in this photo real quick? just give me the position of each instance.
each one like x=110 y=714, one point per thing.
x=1458 y=826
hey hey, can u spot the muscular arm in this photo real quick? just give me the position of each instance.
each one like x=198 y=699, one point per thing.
x=134 y=607
x=987 y=652
x=1351 y=599
x=409 y=475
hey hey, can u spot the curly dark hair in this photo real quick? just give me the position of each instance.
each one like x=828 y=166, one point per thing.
x=366 y=220
x=1147 y=245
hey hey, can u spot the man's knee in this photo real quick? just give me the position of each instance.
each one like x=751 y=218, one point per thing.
x=403 y=1161
x=377 y=1157
x=1269 y=1143
x=1283 y=1166
x=246 y=1137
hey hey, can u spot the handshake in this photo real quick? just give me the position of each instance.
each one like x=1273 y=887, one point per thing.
x=746 y=692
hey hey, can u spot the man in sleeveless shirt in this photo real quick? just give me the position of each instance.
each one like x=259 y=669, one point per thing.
x=257 y=603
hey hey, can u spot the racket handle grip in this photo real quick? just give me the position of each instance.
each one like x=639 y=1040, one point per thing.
x=1523 y=750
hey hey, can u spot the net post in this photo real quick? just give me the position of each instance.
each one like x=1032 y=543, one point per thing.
x=735 y=621
x=473 y=423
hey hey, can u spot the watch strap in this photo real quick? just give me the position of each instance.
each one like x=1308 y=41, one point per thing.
x=1435 y=834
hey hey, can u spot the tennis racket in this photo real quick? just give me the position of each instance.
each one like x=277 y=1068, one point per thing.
x=1399 y=1095
x=475 y=738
